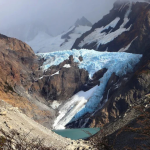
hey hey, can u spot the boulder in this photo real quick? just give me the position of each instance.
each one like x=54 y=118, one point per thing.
x=3 y=111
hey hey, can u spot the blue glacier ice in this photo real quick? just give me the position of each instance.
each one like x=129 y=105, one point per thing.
x=118 y=62
x=93 y=61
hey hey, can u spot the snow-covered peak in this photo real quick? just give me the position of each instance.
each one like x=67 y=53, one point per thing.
x=118 y=30
x=44 y=43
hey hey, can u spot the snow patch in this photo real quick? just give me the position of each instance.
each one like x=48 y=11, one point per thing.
x=43 y=43
x=72 y=107
x=127 y=47
x=126 y=20
x=111 y=36
x=67 y=66
x=102 y=37
x=128 y=11
x=55 y=73
x=55 y=104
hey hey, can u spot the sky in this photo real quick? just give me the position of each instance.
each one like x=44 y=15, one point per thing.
x=58 y=15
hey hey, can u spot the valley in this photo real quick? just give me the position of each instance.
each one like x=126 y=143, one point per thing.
x=91 y=76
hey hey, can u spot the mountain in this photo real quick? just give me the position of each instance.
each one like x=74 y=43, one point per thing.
x=125 y=28
x=84 y=87
x=27 y=32
x=28 y=90
x=120 y=92
x=83 y=22
x=44 y=43
x=18 y=65
x=24 y=84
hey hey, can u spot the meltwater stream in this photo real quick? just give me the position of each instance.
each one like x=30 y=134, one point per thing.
x=86 y=102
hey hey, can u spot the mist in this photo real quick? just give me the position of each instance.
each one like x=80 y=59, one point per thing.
x=58 y=15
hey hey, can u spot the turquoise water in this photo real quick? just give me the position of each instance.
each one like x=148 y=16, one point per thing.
x=76 y=134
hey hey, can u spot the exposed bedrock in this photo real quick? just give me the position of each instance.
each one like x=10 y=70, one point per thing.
x=64 y=84
x=94 y=81
x=67 y=81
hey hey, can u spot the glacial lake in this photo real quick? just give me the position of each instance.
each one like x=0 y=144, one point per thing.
x=75 y=134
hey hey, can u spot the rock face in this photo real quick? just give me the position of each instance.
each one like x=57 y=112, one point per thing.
x=134 y=19
x=132 y=125
x=95 y=80
x=60 y=83
x=17 y=64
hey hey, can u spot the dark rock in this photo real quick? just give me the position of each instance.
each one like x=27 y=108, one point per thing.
x=99 y=74
x=95 y=80
x=67 y=35
x=122 y=92
x=65 y=84
x=112 y=80
x=81 y=58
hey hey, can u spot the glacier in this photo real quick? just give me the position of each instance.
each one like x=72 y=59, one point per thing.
x=87 y=102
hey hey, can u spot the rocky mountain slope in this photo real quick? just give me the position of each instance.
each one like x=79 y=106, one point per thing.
x=42 y=42
x=130 y=131
x=125 y=28
x=17 y=65
x=32 y=91
x=120 y=93
x=12 y=119
x=25 y=85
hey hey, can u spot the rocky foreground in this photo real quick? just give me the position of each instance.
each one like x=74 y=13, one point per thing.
x=11 y=118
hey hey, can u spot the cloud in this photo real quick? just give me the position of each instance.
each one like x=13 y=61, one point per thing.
x=57 y=14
